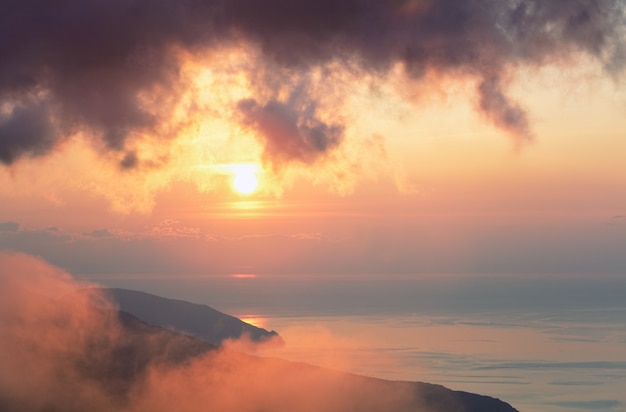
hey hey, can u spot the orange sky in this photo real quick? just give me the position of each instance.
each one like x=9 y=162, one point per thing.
x=439 y=190
x=425 y=178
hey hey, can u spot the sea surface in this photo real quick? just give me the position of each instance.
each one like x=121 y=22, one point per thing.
x=542 y=343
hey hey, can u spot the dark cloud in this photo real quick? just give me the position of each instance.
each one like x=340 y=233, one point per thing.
x=82 y=65
x=14 y=236
x=27 y=131
x=130 y=160
x=9 y=226
x=100 y=233
x=289 y=134
x=87 y=63
x=502 y=112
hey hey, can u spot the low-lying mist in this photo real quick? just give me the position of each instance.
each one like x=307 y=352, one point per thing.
x=60 y=352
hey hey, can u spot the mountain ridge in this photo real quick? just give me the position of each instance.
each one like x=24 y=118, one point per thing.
x=436 y=398
x=74 y=353
x=199 y=320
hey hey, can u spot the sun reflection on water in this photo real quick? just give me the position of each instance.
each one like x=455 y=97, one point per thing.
x=254 y=320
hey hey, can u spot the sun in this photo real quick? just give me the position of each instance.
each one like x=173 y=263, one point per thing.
x=245 y=181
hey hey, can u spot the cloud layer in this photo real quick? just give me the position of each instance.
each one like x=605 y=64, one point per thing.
x=111 y=70
x=61 y=352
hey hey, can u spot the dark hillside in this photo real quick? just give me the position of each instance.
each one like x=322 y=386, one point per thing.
x=201 y=321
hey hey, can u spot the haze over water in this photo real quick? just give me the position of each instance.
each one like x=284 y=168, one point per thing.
x=542 y=343
x=175 y=137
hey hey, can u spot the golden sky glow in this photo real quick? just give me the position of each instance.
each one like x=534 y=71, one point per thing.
x=334 y=163
x=452 y=173
x=426 y=172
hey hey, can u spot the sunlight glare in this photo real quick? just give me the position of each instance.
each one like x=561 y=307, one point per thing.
x=245 y=182
x=254 y=320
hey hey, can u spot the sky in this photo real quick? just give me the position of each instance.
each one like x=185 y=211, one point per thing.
x=383 y=137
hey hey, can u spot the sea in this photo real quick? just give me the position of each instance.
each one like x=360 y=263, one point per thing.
x=543 y=343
